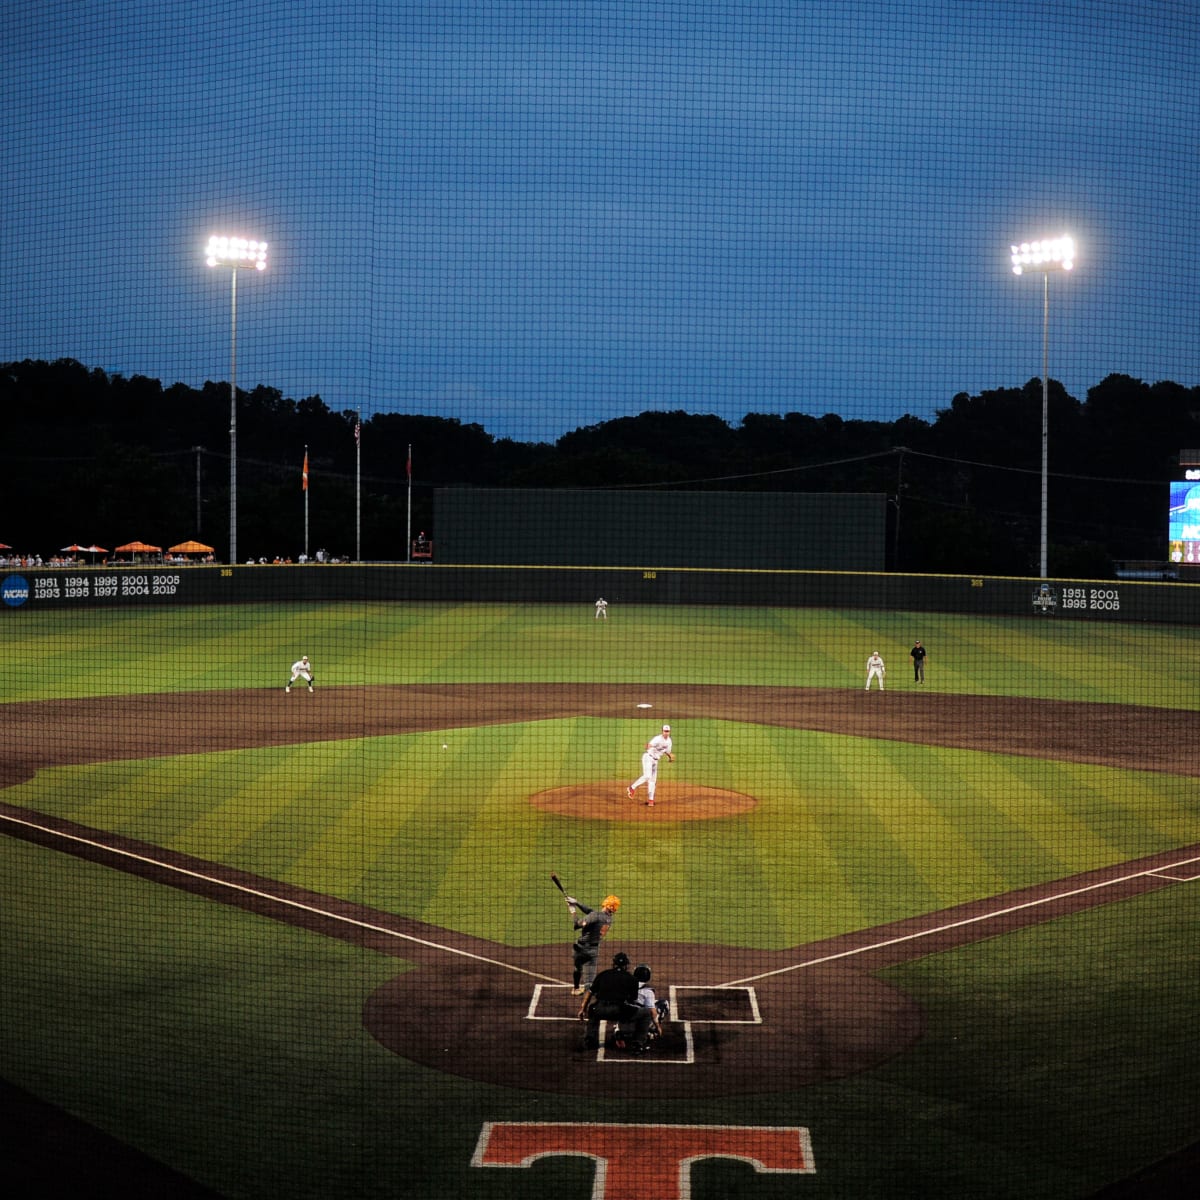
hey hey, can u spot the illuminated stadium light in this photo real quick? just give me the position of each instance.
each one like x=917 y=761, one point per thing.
x=1050 y=254
x=236 y=253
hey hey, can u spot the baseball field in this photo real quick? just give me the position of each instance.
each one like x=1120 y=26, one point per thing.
x=935 y=941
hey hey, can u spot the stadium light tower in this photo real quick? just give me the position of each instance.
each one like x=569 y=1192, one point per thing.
x=1050 y=254
x=236 y=253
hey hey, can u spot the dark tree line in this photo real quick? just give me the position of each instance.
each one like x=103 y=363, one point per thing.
x=92 y=457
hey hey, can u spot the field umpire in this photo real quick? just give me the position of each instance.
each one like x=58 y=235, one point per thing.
x=918 y=656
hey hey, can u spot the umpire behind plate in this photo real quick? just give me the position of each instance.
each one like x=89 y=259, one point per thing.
x=612 y=996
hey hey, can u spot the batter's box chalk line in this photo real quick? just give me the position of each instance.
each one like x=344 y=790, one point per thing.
x=1179 y=873
x=657 y=1059
x=729 y=999
x=738 y=998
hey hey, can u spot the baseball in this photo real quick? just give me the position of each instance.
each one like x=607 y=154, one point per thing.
x=445 y=747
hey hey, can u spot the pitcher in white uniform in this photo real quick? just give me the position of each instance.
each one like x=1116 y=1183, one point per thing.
x=656 y=747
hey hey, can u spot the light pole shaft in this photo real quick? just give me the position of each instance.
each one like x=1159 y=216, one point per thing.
x=1045 y=416
x=233 y=417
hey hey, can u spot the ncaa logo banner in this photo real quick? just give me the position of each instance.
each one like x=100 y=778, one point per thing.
x=15 y=590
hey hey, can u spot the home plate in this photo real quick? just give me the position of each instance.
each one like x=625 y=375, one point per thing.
x=645 y=706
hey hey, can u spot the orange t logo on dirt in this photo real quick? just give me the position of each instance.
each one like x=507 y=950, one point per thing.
x=636 y=1161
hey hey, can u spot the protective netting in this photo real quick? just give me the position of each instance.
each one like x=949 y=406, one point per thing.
x=539 y=216
x=274 y=929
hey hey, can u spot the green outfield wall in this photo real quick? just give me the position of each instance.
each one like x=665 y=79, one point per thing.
x=25 y=590
x=798 y=531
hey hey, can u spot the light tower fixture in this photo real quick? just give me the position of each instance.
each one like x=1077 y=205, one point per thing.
x=1046 y=255
x=1050 y=254
x=236 y=253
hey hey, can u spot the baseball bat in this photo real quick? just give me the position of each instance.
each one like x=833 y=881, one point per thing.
x=558 y=884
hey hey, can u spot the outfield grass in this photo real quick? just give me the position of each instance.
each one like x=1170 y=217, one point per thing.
x=118 y=651
x=232 y=1048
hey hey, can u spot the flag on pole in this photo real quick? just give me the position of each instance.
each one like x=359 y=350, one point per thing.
x=304 y=476
x=357 y=432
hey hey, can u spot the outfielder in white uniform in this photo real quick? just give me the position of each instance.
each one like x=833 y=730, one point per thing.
x=875 y=670
x=301 y=670
x=656 y=747
x=601 y=609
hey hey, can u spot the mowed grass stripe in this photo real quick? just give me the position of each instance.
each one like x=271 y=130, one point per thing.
x=375 y=643
x=886 y=881
x=1032 y=793
x=936 y=839
x=407 y=774
x=980 y=800
x=1136 y=812
x=491 y=844
x=889 y=778
x=789 y=847
x=359 y=836
x=1166 y=805
x=259 y=787
x=806 y=885
x=115 y=795
x=477 y=640
x=316 y=794
x=447 y=802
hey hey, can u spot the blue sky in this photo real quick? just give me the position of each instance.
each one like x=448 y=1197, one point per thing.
x=542 y=215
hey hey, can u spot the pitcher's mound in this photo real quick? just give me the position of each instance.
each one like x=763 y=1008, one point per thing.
x=607 y=801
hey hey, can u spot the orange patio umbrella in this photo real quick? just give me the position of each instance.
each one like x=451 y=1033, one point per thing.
x=190 y=548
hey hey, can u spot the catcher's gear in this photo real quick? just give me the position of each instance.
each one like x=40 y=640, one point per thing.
x=642 y=973
x=663 y=1008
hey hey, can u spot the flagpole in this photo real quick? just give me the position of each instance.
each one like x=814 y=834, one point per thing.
x=408 y=534
x=358 y=487
x=306 y=504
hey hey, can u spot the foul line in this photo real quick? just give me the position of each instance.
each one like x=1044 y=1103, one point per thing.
x=274 y=899
x=934 y=929
x=326 y=914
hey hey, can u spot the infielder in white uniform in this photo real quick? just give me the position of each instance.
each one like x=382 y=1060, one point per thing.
x=656 y=747
x=301 y=670
x=602 y=609
x=875 y=670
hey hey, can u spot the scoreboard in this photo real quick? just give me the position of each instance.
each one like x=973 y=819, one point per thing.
x=1183 y=520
